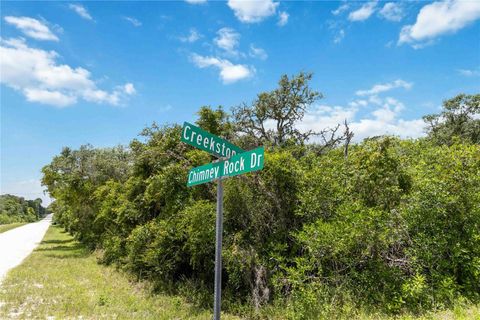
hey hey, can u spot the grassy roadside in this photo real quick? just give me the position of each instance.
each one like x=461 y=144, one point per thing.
x=61 y=280
x=10 y=226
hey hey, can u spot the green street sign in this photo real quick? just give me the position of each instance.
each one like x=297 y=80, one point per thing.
x=238 y=164
x=206 y=141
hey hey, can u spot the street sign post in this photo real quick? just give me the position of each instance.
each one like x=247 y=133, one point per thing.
x=233 y=161
x=217 y=294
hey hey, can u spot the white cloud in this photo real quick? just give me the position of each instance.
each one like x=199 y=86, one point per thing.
x=282 y=18
x=384 y=114
x=258 y=53
x=228 y=40
x=253 y=11
x=53 y=98
x=439 y=18
x=365 y=128
x=229 y=72
x=375 y=99
x=364 y=12
x=392 y=11
x=193 y=36
x=383 y=120
x=339 y=36
x=358 y=103
x=469 y=73
x=393 y=103
x=81 y=11
x=129 y=88
x=323 y=116
x=28 y=189
x=133 y=21
x=340 y=9
x=32 y=28
x=196 y=1
x=36 y=74
x=382 y=87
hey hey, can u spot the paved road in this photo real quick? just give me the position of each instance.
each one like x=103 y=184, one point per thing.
x=18 y=243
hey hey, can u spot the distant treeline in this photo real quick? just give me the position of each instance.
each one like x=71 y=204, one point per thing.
x=17 y=209
x=326 y=228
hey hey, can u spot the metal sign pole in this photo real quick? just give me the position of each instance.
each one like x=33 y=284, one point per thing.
x=218 y=252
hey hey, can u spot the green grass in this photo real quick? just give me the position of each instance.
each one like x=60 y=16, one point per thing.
x=459 y=312
x=10 y=226
x=61 y=279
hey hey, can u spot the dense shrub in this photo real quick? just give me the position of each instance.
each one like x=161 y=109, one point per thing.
x=393 y=224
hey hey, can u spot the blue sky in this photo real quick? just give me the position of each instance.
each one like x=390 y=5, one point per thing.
x=89 y=72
